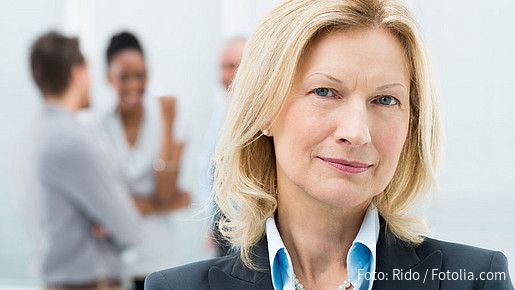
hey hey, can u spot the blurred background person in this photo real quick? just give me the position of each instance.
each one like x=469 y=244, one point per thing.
x=66 y=188
x=229 y=63
x=144 y=144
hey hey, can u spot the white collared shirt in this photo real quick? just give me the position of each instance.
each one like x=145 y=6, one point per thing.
x=361 y=257
x=133 y=167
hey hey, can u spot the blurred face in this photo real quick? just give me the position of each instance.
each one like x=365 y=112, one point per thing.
x=128 y=76
x=341 y=131
x=230 y=61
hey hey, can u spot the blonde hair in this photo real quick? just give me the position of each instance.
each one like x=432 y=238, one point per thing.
x=245 y=177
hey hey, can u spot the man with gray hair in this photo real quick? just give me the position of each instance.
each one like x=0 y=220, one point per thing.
x=229 y=63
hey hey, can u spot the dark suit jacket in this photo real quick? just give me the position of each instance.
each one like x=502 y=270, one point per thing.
x=440 y=265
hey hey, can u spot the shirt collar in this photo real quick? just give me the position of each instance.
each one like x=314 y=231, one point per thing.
x=281 y=267
x=50 y=108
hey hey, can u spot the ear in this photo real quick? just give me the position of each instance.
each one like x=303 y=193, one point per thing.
x=79 y=73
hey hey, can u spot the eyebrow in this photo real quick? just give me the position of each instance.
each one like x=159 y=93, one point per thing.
x=337 y=80
x=330 y=77
x=385 y=87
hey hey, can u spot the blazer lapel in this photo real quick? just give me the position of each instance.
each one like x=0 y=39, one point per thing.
x=404 y=269
x=399 y=266
x=234 y=274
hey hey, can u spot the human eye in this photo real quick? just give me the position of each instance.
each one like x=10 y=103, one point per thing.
x=387 y=100
x=323 y=92
x=124 y=77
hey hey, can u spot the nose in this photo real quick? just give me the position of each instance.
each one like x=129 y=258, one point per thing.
x=134 y=83
x=352 y=123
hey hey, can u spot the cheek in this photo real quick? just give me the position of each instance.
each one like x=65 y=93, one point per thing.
x=143 y=83
x=298 y=130
x=297 y=133
x=389 y=139
x=119 y=86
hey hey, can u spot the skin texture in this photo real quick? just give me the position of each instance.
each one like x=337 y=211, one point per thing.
x=350 y=100
x=80 y=73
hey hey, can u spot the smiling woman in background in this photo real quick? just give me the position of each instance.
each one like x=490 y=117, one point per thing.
x=145 y=144
x=332 y=134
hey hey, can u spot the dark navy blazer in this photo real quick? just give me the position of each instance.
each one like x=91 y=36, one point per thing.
x=431 y=265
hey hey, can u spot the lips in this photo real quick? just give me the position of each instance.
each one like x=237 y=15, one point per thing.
x=132 y=99
x=346 y=162
x=346 y=165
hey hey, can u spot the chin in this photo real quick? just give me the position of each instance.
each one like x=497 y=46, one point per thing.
x=344 y=199
x=86 y=103
x=128 y=107
x=85 y=106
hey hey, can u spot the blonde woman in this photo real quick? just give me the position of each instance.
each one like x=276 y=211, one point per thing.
x=331 y=138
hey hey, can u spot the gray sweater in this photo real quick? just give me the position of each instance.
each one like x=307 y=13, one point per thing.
x=65 y=188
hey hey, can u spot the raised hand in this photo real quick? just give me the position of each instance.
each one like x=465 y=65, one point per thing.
x=168 y=109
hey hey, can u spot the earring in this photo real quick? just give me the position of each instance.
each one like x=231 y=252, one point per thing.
x=266 y=132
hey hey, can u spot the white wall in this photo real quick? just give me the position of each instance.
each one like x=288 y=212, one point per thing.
x=240 y=17
x=472 y=46
x=470 y=42
x=20 y=22
x=181 y=40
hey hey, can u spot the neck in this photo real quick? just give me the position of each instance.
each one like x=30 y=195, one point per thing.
x=67 y=100
x=131 y=117
x=317 y=236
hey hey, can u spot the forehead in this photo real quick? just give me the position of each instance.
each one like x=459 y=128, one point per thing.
x=373 y=53
x=128 y=57
x=232 y=51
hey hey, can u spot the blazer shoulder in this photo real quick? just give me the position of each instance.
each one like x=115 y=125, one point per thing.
x=192 y=276
x=489 y=266
x=456 y=255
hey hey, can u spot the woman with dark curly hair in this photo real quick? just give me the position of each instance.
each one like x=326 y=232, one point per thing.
x=145 y=143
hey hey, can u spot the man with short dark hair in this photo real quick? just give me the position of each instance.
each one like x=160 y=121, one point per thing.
x=53 y=59
x=67 y=188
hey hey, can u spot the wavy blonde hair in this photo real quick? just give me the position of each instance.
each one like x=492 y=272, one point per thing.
x=245 y=179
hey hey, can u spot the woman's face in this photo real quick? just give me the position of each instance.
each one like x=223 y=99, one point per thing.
x=128 y=76
x=341 y=131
